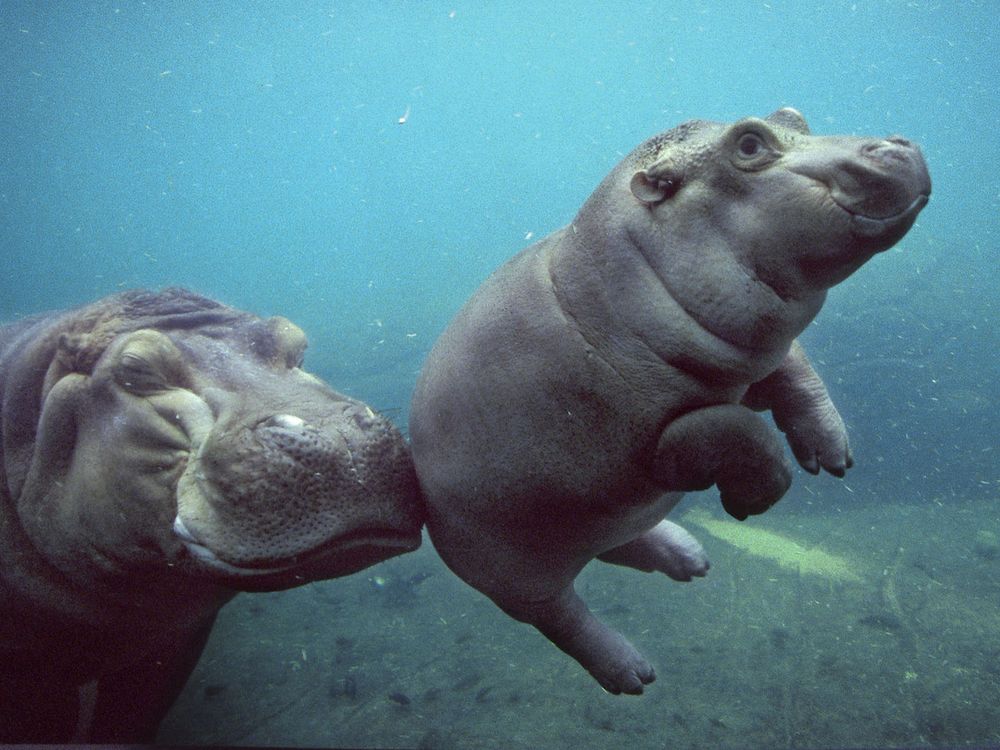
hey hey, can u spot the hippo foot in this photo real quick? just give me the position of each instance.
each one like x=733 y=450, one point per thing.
x=667 y=548
x=621 y=668
x=729 y=446
x=802 y=409
x=818 y=439
x=614 y=662
x=744 y=495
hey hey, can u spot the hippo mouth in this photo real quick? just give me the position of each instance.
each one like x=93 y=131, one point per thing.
x=871 y=226
x=338 y=556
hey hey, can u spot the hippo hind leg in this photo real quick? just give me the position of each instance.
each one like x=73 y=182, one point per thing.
x=667 y=548
x=538 y=590
x=565 y=620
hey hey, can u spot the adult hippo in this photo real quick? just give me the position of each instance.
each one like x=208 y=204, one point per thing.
x=608 y=368
x=160 y=452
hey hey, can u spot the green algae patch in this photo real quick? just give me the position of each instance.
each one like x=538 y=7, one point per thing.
x=776 y=547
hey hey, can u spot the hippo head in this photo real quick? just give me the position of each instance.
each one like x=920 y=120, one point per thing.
x=761 y=212
x=179 y=434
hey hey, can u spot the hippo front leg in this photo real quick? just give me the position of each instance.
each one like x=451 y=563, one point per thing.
x=802 y=409
x=728 y=446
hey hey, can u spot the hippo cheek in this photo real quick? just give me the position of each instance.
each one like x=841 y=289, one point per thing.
x=286 y=503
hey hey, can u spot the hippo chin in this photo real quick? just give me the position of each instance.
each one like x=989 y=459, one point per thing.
x=160 y=452
x=617 y=363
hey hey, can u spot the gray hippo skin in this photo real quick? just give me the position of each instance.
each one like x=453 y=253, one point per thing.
x=618 y=362
x=160 y=452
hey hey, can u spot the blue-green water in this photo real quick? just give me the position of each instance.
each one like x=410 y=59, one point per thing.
x=361 y=167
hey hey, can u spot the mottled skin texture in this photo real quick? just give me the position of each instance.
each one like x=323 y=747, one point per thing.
x=160 y=452
x=618 y=362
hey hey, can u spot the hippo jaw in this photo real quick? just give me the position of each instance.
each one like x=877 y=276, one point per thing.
x=284 y=501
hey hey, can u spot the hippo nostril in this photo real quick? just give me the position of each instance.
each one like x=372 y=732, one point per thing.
x=365 y=418
x=284 y=421
x=874 y=147
x=888 y=152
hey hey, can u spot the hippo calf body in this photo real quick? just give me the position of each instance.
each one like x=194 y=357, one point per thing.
x=617 y=363
x=160 y=452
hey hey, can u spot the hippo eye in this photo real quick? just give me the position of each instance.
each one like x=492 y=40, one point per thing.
x=750 y=145
x=136 y=375
x=148 y=363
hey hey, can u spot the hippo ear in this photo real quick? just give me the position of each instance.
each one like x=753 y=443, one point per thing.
x=651 y=189
x=789 y=118
x=278 y=341
x=67 y=359
x=292 y=340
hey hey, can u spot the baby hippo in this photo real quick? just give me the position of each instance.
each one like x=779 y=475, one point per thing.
x=616 y=364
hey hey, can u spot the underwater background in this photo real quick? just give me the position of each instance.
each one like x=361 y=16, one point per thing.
x=361 y=167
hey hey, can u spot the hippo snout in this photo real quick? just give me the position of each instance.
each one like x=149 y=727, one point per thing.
x=304 y=443
x=882 y=183
x=322 y=493
x=894 y=187
x=893 y=147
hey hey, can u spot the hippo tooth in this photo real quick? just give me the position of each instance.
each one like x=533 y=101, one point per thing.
x=202 y=553
x=193 y=545
x=182 y=531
